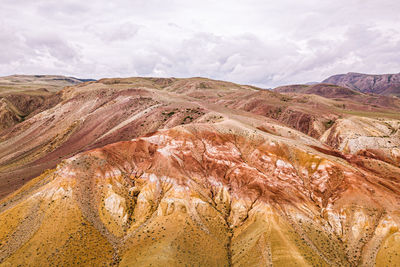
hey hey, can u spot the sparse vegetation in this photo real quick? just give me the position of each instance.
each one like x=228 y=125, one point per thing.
x=254 y=183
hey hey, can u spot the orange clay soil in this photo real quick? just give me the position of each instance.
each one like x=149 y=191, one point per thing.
x=94 y=114
x=209 y=195
x=178 y=172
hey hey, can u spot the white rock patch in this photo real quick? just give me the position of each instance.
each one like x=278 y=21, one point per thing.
x=115 y=205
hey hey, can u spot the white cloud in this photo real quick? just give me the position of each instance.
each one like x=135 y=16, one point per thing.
x=266 y=43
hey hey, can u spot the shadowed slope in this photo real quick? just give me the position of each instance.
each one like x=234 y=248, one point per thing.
x=23 y=96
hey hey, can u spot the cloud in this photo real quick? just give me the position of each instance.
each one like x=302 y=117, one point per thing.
x=114 y=32
x=265 y=43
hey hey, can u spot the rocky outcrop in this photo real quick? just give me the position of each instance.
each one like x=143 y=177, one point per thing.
x=372 y=138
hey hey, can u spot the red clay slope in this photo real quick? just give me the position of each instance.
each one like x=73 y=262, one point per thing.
x=215 y=195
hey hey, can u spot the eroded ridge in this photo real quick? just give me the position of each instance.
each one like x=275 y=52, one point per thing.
x=215 y=195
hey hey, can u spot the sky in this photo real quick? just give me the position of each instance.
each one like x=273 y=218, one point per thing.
x=263 y=43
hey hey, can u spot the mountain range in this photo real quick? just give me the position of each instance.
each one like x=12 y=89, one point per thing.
x=198 y=172
x=386 y=84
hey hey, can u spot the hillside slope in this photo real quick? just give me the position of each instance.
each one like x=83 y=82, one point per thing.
x=178 y=172
x=22 y=96
x=220 y=195
x=325 y=90
x=95 y=114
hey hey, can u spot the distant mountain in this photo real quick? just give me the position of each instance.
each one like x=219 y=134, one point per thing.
x=385 y=84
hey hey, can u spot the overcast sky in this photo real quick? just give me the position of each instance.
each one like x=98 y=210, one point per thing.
x=265 y=43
